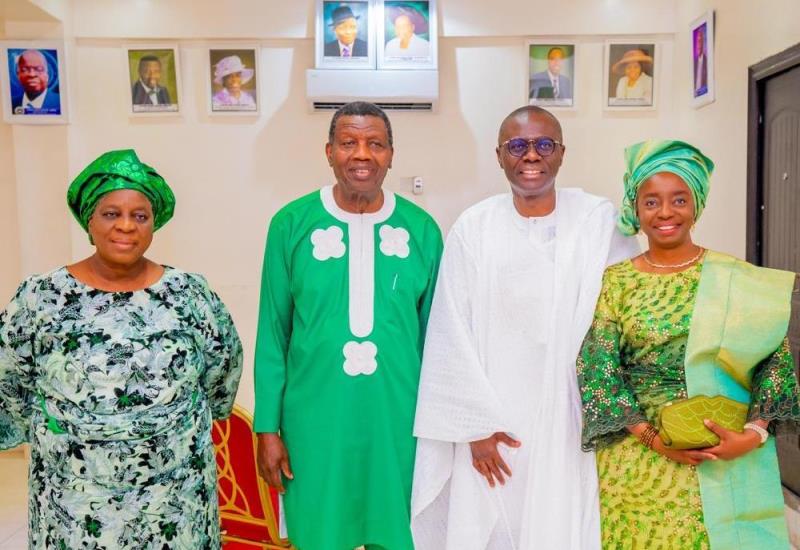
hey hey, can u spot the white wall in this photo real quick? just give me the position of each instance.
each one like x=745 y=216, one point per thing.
x=9 y=225
x=231 y=174
x=745 y=34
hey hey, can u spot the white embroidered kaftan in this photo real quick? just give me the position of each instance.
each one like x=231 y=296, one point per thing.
x=511 y=308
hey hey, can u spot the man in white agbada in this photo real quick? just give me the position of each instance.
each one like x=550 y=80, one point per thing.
x=499 y=463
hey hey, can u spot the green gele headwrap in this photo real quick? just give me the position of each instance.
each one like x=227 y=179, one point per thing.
x=645 y=159
x=117 y=170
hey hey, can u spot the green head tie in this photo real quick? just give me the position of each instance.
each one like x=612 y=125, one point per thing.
x=647 y=158
x=117 y=170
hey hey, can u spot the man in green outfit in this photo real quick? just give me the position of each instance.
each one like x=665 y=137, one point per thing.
x=348 y=278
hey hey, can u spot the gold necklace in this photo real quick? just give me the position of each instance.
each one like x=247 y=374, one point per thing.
x=665 y=266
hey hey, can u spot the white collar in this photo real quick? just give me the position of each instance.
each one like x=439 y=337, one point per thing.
x=36 y=103
x=386 y=210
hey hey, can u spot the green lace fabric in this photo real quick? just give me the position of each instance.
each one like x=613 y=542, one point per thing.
x=630 y=366
x=632 y=360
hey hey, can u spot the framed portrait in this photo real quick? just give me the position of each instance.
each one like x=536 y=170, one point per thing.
x=630 y=75
x=32 y=82
x=551 y=74
x=154 y=79
x=702 y=33
x=345 y=37
x=406 y=34
x=233 y=80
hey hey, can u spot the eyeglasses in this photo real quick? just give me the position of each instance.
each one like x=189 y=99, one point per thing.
x=519 y=147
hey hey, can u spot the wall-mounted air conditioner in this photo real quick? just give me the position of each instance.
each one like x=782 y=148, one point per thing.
x=403 y=90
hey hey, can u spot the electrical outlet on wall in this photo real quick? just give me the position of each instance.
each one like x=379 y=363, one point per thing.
x=417 y=185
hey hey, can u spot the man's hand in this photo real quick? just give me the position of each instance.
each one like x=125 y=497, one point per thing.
x=487 y=460
x=732 y=444
x=273 y=460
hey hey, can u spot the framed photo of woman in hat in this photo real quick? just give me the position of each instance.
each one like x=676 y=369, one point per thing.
x=406 y=34
x=345 y=35
x=233 y=82
x=630 y=75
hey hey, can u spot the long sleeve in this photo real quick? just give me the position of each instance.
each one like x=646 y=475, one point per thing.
x=456 y=401
x=274 y=331
x=16 y=368
x=609 y=403
x=774 y=394
x=433 y=248
x=223 y=358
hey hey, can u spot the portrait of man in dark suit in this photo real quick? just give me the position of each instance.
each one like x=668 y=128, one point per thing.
x=700 y=59
x=35 y=92
x=344 y=24
x=551 y=83
x=148 y=89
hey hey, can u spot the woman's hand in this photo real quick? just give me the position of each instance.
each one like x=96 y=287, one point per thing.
x=692 y=457
x=732 y=444
x=273 y=460
x=486 y=458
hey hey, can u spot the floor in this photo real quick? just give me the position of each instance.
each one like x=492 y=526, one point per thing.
x=13 y=508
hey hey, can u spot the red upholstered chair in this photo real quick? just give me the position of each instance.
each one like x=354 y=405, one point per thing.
x=248 y=508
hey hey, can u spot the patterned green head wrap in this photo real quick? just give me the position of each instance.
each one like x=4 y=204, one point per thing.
x=117 y=170
x=651 y=157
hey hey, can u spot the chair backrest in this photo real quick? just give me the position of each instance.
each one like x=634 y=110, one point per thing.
x=248 y=507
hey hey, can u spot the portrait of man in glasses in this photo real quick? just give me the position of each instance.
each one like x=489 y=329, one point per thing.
x=35 y=89
x=498 y=412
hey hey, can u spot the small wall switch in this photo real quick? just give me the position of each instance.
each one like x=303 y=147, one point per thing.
x=417 y=186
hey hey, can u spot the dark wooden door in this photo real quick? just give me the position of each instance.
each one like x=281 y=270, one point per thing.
x=780 y=219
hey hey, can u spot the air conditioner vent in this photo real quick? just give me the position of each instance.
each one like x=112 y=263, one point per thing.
x=333 y=105
x=408 y=90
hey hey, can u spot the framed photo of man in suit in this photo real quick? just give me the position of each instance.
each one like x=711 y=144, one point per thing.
x=345 y=35
x=154 y=79
x=702 y=33
x=551 y=74
x=33 y=86
x=406 y=34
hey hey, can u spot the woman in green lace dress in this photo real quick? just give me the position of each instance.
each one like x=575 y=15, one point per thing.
x=112 y=369
x=676 y=322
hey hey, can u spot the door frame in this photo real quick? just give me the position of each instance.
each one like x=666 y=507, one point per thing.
x=757 y=76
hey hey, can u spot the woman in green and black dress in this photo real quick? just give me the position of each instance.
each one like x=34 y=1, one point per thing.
x=676 y=322
x=112 y=369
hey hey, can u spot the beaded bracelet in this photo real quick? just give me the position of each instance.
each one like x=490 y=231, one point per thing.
x=762 y=433
x=648 y=435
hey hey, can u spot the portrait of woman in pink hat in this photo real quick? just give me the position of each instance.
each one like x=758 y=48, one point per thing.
x=233 y=80
x=631 y=74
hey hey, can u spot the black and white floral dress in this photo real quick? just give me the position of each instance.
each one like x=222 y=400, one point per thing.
x=115 y=391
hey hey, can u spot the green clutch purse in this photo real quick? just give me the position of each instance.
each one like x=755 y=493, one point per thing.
x=682 y=422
